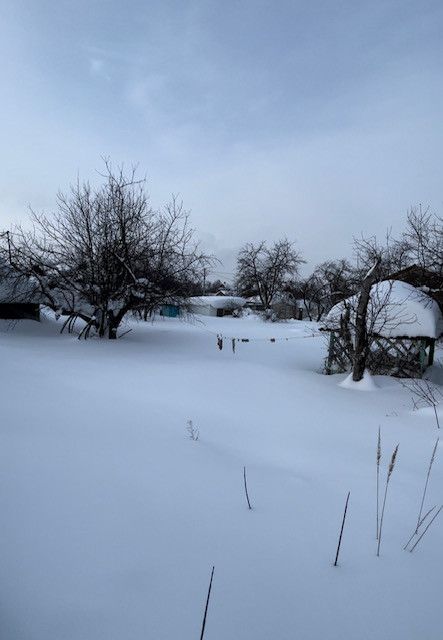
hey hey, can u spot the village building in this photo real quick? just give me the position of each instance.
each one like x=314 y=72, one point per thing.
x=19 y=298
x=215 y=305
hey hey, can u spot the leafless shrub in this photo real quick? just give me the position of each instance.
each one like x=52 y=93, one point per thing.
x=425 y=394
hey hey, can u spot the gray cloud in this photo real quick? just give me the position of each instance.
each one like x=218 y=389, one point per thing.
x=315 y=120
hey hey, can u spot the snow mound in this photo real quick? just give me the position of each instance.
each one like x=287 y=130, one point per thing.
x=366 y=384
x=396 y=309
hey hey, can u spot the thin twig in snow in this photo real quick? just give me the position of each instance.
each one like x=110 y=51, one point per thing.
x=207 y=605
x=246 y=488
x=341 y=530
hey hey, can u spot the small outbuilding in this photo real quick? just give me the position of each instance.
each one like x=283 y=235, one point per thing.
x=215 y=305
x=19 y=298
x=170 y=310
x=403 y=324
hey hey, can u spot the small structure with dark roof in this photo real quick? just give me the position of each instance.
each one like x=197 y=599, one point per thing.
x=403 y=326
x=19 y=298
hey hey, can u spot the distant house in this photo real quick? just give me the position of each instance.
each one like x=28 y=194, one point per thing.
x=254 y=303
x=404 y=323
x=215 y=305
x=283 y=305
x=19 y=298
x=170 y=310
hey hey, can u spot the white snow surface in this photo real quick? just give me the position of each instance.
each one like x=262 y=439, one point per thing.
x=400 y=310
x=112 y=517
x=217 y=302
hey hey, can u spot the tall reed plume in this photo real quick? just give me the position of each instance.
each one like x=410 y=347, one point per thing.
x=378 y=478
x=388 y=477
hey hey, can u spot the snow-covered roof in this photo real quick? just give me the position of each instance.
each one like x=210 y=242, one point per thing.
x=217 y=302
x=396 y=309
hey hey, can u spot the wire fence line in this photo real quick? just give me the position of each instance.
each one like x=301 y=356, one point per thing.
x=219 y=335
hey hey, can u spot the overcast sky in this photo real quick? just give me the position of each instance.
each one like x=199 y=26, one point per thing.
x=314 y=120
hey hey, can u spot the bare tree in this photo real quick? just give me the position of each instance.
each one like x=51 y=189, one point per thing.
x=372 y=312
x=330 y=282
x=264 y=271
x=423 y=239
x=105 y=251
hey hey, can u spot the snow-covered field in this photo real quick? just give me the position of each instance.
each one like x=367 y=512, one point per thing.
x=111 y=517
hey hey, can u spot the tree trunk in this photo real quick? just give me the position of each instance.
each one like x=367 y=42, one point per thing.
x=361 y=331
x=113 y=324
x=101 y=320
x=112 y=331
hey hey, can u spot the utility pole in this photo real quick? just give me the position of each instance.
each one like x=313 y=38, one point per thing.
x=8 y=239
x=204 y=280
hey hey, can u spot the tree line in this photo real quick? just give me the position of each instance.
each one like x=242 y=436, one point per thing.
x=106 y=252
x=272 y=272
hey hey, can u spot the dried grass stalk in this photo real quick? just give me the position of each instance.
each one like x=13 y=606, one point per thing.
x=388 y=477
x=341 y=530
x=429 y=524
x=431 y=462
x=207 y=605
x=378 y=478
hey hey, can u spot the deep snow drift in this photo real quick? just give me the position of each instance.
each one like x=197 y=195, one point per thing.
x=112 y=517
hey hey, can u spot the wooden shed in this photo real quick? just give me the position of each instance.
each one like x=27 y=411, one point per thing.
x=19 y=297
x=403 y=326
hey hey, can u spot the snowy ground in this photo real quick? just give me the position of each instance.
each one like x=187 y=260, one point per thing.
x=112 y=517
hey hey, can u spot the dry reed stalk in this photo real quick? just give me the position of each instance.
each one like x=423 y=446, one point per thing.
x=388 y=477
x=246 y=488
x=341 y=530
x=207 y=605
x=431 y=462
x=414 y=533
x=429 y=524
x=378 y=477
